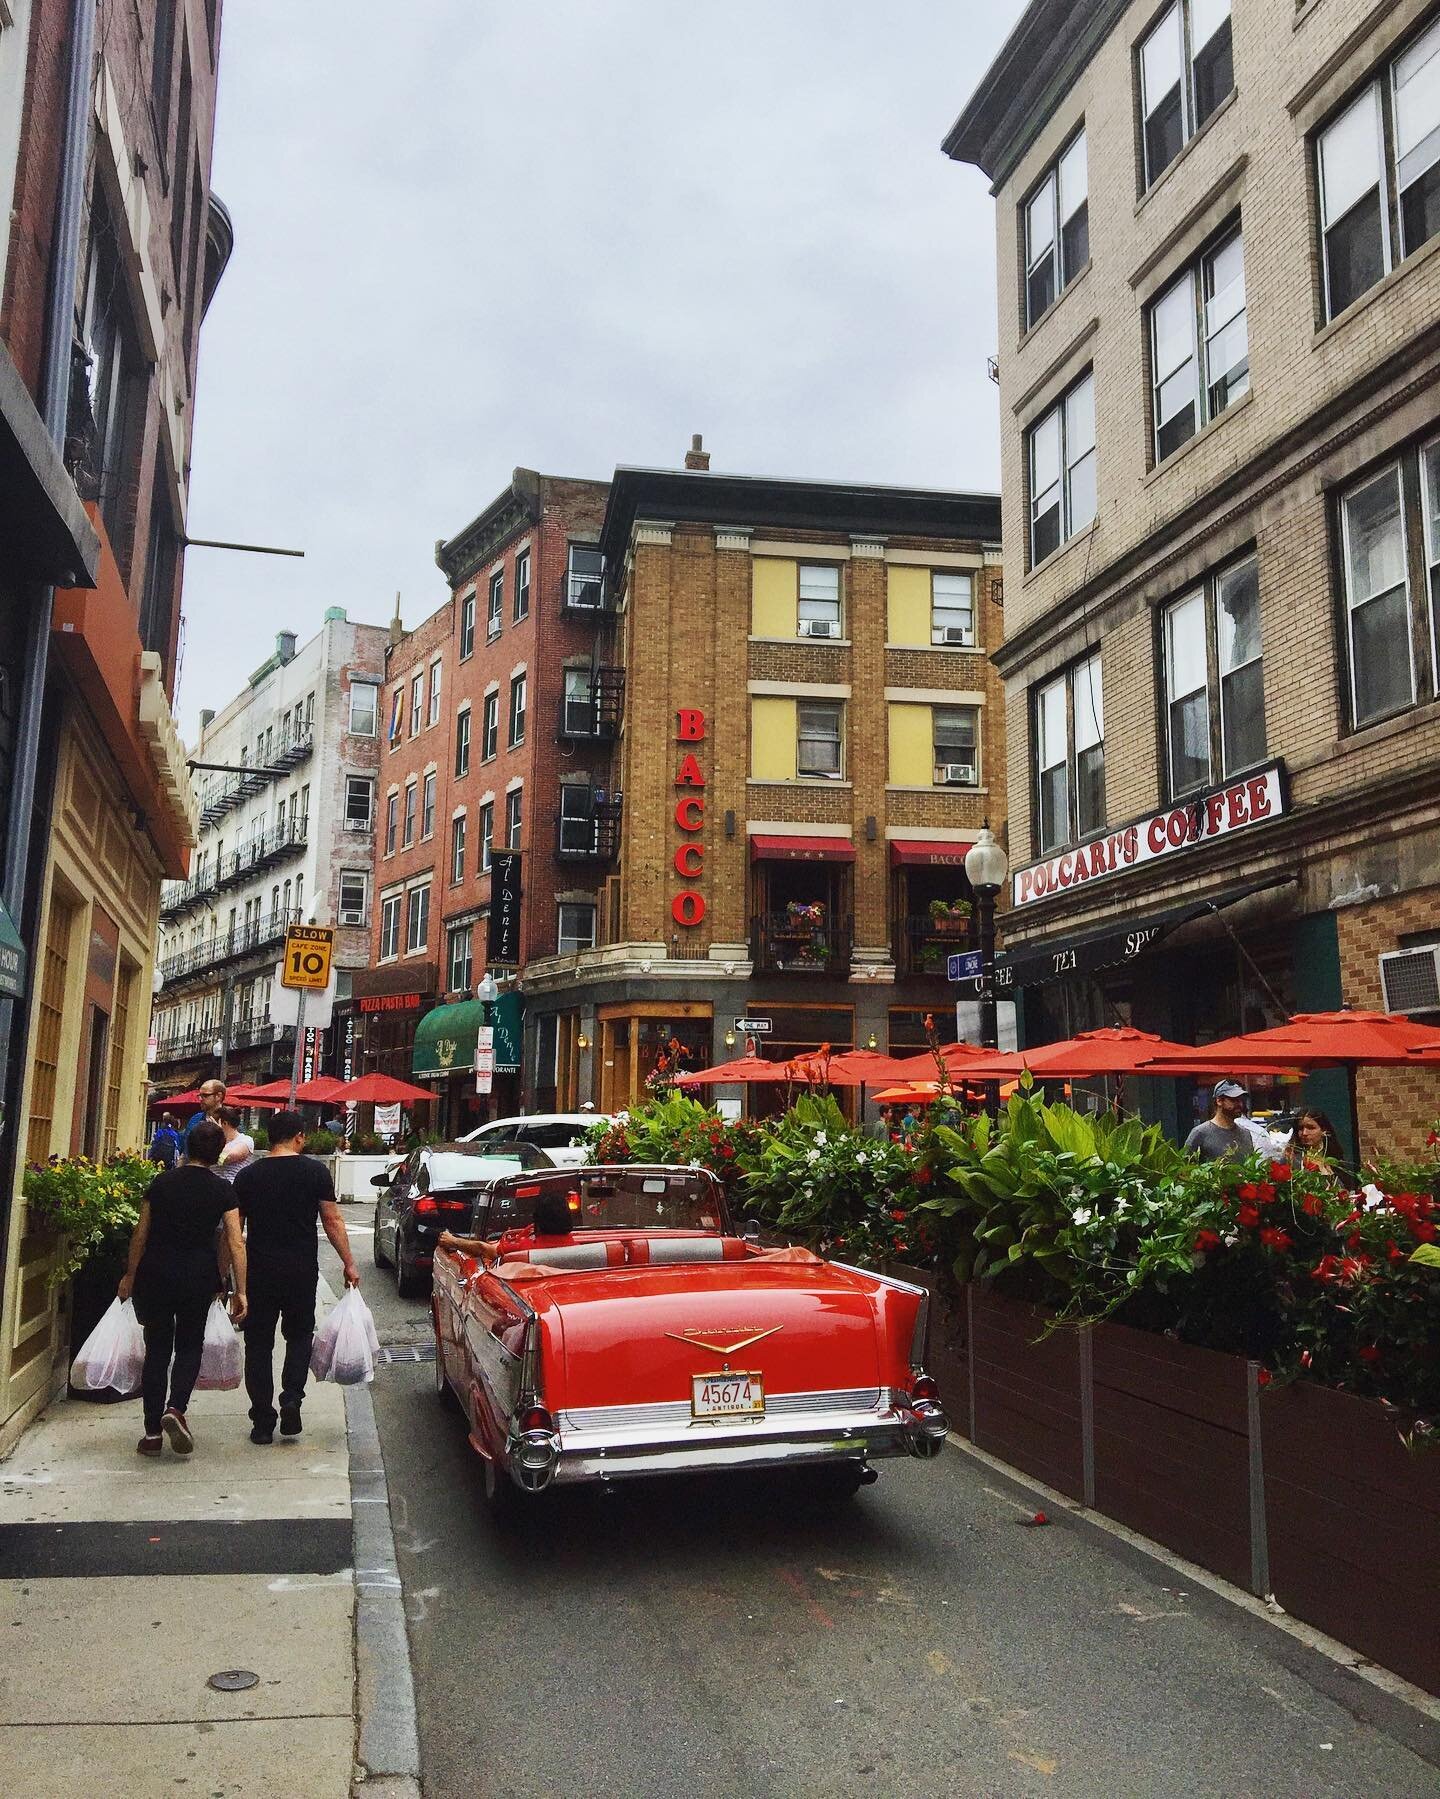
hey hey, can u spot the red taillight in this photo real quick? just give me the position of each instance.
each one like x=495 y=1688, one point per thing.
x=426 y=1205
x=924 y=1386
x=572 y=1199
x=535 y=1417
x=454 y=1205
x=527 y=1193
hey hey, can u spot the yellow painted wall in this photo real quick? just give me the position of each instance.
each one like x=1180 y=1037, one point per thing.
x=772 y=739
x=908 y=595
x=775 y=605
x=912 y=746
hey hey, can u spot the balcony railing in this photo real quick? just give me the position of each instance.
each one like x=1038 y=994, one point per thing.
x=595 y=716
x=782 y=944
x=244 y=940
x=593 y=839
x=261 y=852
x=179 y=896
x=922 y=946
x=223 y=795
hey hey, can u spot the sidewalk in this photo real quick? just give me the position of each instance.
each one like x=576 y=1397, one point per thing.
x=106 y=1666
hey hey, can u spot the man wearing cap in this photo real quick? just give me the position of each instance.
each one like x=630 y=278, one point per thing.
x=1220 y=1138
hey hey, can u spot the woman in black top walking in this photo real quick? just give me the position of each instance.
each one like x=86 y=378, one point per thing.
x=174 y=1275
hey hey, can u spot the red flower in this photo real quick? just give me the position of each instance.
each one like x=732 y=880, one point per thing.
x=1425 y=1232
x=1207 y=1240
x=899 y=1217
x=1247 y=1215
x=1354 y=1240
x=1248 y=1190
x=1313 y=1204
x=1266 y=1194
x=1279 y=1171
x=922 y=1177
x=1306 y=1358
x=1263 y=1378
x=1393 y=1250
x=727 y=1150
x=1370 y=1353
x=1431 y=1139
x=1276 y=1239
x=899 y=1243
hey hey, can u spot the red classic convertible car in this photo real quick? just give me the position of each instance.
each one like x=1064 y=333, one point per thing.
x=649 y=1338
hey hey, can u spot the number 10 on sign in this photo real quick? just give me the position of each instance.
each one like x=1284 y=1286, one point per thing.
x=306 y=964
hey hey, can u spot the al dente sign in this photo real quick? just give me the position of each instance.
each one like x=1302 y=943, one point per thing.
x=688 y=906
x=1251 y=800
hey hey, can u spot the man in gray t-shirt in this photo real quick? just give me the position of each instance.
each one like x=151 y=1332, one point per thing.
x=1220 y=1138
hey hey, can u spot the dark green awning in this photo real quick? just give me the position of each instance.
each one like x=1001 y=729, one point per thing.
x=445 y=1038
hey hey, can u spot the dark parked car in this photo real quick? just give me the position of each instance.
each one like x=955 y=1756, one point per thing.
x=442 y=1187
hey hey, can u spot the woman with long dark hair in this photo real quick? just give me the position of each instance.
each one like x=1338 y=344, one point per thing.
x=1315 y=1144
x=173 y=1275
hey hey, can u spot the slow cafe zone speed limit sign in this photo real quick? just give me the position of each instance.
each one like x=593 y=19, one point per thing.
x=306 y=964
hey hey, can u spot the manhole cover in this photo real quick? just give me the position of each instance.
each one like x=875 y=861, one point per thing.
x=233 y=1680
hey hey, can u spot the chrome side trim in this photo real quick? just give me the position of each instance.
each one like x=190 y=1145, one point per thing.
x=676 y=1412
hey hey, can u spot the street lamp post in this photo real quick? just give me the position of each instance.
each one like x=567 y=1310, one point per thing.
x=986 y=866
x=487 y=993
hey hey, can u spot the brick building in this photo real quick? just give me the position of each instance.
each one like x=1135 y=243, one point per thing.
x=811 y=737
x=110 y=250
x=1220 y=396
x=475 y=765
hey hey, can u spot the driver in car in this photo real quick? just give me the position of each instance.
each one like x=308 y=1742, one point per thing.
x=555 y=1215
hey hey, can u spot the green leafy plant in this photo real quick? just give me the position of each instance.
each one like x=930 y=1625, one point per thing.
x=91 y=1206
x=944 y=912
x=672 y=1128
x=322 y=1143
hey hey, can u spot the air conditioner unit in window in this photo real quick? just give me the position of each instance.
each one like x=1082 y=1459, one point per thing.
x=955 y=634
x=955 y=774
x=1410 y=979
x=350 y=915
x=819 y=627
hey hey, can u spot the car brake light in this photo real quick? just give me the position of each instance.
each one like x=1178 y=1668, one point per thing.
x=924 y=1386
x=535 y=1417
x=527 y=1193
x=454 y=1205
x=572 y=1199
x=426 y=1205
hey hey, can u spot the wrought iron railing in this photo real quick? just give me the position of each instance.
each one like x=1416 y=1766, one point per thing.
x=782 y=943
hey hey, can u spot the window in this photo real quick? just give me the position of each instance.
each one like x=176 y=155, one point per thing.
x=364 y=709
x=497 y=605
x=952 y=609
x=427 y=807
x=583 y=578
x=1375 y=208
x=576 y=929
x=819 y=600
x=397 y=708
x=434 y=715
x=1214 y=679
x=407 y=836
x=1199 y=345
x=417 y=703
x=389 y=927
x=457 y=849
x=467 y=626
x=957 y=741
x=459 y=958
x=577 y=819
x=1186 y=70
x=1430 y=496
x=490 y=727
x=522 y=586
x=517 y=710
x=1070 y=756
x=462 y=742
x=1057 y=229
x=1377 y=594
x=162 y=69
x=359 y=803
x=818 y=732
x=392 y=807
x=354 y=896
x=486 y=826
x=513 y=803
x=579 y=704
x=1062 y=470
x=417 y=918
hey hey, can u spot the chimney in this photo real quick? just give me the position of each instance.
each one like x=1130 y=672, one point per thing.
x=207 y=717
x=285 y=646
x=697 y=456
x=397 y=629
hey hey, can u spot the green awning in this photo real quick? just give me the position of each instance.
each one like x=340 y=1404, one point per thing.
x=445 y=1038
x=12 y=959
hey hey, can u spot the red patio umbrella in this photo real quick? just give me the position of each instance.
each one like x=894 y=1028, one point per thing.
x=320 y=1090
x=957 y=1058
x=270 y=1090
x=849 y=1068
x=380 y=1090
x=163 y=1102
x=1318 y=1040
x=742 y=1071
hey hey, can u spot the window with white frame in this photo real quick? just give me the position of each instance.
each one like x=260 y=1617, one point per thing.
x=956 y=731
x=1199 y=345
x=354 y=902
x=1069 y=737
x=359 y=803
x=514 y=804
x=389 y=927
x=485 y=825
x=417 y=703
x=1214 y=701
x=427 y=807
x=580 y=708
x=819 y=600
x=1186 y=69
x=1390 y=553
x=584 y=577
x=577 y=819
x=517 y=711
x=490 y=727
x=392 y=811
x=434 y=714
x=1061 y=458
x=462 y=742
x=493 y=616
x=397 y=708
x=364 y=710
x=459 y=958
x=819 y=739
x=575 y=928
x=417 y=918
x=1378 y=173
x=522 y=587
x=407 y=835
x=1057 y=228
x=457 y=849
x=467 y=626
x=952 y=608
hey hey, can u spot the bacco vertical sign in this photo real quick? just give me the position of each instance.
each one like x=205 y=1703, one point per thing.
x=688 y=906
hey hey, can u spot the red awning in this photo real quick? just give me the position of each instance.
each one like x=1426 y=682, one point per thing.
x=801 y=849
x=909 y=854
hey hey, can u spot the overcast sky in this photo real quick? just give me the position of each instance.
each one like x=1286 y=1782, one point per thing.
x=567 y=234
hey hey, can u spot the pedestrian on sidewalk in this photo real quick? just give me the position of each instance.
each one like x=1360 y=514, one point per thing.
x=165 y=1144
x=1220 y=1138
x=281 y=1199
x=212 y=1097
x=173 y=1276
x=239 y=1147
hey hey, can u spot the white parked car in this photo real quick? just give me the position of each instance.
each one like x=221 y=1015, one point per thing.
x=559 y=1134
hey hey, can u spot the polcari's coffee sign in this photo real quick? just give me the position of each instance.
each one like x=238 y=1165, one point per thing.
x=1249 y=800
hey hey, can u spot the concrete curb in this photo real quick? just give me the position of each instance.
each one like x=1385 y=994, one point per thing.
x=388 y=1746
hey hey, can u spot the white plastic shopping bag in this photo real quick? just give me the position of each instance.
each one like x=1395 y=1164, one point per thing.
x=113 y=1355
x=222 y=1362
x=346 y=1344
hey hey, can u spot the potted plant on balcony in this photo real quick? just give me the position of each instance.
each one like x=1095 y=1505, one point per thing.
x=950 y=916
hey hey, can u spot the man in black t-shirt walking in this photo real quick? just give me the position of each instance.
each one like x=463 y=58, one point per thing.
x=281 y=1198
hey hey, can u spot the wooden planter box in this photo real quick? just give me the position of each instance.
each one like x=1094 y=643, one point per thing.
x=1171 y=1445
x=1353 y=1520
x=1027 y=1391
x=949 y=1345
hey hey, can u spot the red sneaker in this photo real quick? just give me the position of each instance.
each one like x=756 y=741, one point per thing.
x=177 y=1431
x=150 y=1445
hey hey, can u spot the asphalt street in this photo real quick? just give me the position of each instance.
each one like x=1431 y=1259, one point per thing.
x=708 y=1638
